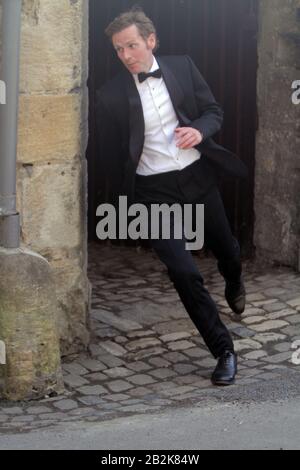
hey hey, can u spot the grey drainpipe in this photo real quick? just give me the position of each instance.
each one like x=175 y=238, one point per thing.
x=9 y=218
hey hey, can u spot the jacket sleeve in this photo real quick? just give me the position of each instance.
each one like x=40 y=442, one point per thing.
x=210 y=113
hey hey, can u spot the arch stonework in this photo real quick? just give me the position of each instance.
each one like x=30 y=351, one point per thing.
x=53 y=133
x=51 y=162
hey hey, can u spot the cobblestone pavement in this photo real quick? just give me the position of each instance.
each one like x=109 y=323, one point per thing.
x=146 y=354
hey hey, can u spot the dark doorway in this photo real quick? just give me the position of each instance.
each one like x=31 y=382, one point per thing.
x=221 y=38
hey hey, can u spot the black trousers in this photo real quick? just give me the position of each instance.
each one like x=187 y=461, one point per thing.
x=183 y=187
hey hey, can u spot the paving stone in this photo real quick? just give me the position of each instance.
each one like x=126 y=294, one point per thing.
x=22 y=419
x=75 y=381
x=118 y=372
x=196 y=352
x=96 y=377
x=117 y=397
x=119 y=386
x=175 y=336
x=163 y=373
x=103 y=333
x=82 y=412
x=207 y=363
x=242 y=332
x=90 y=400
x=36 y=410
x=180 y=345
x=110 y=406
x=116 y=321
x=95 y=349
x=92 y=365
x=158 y=362
x=66 y=405
x=111 y=361
x=244 y=344
x=137 y=356
x=255 y=296
x=282 y=357
x=172 y=327
x=252 y=363
x=139 y=392
x=139 y=366
x=248 y=372
x=175 y=357
x=253 y=311
x=292 y=330
x=158 y=387
x=269 y=325
x=140 y=334
x=141 y=379
x=186 y=379
x=274 y=291
x=283 y=347
x=185 y=368
x=75 y=368
x=254 y=319
x=92 y=390
x=287 y=312
x=263 y=303
x=113 y=348
x=267 y=376
x=294 y=302
x=275 y=307
x=294 y=320
x=58 y=416
x=13 y=410
x=255 y=355
x=143 y=343
x=266 y=338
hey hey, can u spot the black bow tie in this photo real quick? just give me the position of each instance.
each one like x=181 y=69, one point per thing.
x=143 y=76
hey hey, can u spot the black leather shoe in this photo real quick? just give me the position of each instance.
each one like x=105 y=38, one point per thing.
x=226 y=369
x=235 y=295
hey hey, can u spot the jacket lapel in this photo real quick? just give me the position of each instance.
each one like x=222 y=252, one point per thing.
x=136 y=120
x=174 y=89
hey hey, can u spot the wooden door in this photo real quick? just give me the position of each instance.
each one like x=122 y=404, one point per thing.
x=221 y=38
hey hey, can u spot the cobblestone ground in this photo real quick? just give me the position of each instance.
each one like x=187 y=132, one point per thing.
x=146 y=354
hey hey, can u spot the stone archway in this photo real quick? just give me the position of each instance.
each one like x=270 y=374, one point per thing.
x=52 y=174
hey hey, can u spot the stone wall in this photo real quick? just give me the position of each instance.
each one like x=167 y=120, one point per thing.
x=52 y=169
x=277 y=188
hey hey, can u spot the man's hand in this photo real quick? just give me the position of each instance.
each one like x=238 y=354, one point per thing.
x=187 y=137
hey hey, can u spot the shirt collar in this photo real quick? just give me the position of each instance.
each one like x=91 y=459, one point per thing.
x=154 y=67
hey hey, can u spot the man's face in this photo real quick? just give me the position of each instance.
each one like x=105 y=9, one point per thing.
x=133 y=50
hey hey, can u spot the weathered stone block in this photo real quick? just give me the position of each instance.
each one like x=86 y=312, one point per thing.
x=52 y=50
x=49 y=128
x=28 y=310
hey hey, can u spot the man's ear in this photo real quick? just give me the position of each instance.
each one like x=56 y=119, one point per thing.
x=151 y=41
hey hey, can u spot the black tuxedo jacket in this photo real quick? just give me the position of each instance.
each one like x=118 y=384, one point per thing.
x=120 y=126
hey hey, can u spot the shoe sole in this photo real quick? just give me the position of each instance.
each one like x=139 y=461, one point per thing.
x=223 y=383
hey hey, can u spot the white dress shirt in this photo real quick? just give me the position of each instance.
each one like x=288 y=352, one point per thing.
x=160 y=153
